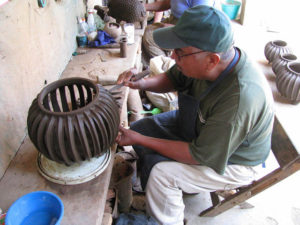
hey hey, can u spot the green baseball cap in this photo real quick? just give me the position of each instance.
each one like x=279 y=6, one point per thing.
x=203 y=27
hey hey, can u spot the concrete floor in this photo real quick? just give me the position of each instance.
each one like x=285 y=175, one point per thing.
x=278 y=205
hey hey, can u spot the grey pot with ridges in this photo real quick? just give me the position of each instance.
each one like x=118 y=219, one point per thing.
x=281 y=61
x=275 y=48
x=288 y=81
x=73 y=120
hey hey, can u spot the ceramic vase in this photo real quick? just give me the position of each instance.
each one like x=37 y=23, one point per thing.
x=281 y=61
x=288 y=81
x=275 y=48
x=73 y=120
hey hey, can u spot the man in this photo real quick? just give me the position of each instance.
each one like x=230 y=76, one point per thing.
x=223 y=127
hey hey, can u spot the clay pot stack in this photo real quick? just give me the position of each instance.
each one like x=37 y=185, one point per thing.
x=286 y=68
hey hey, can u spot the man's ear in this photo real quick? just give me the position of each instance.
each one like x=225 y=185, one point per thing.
x=212 y=61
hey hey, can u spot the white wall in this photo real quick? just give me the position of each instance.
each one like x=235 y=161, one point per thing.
x=277 y=17
x=35 y=46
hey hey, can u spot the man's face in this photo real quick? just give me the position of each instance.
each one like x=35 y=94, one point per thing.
x=191 y=61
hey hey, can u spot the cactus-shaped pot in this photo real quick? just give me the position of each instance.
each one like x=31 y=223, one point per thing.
x=288 y=82
x=275 y=48
x=73 y=120
x=281 y=61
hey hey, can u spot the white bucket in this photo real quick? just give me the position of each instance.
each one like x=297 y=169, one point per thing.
x=129 y=29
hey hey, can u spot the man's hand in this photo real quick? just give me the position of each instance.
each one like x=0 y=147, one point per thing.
x=127 y=137
x=127 y=78
x=177 y=150
x=159 y=83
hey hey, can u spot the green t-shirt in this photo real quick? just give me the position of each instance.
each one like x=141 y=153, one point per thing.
x=235 y=119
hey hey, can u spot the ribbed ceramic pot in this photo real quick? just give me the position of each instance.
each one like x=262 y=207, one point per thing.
x=73 y=120
x=281 y=61
x=288 y=81
x=275 y=48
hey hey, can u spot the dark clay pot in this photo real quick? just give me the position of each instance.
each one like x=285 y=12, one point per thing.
x=274 y=48
x=73 y=120
x=288 y=82
x=281 y=61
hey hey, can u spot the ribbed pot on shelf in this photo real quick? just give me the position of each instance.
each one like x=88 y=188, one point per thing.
x=275 y=48
x=73 y=120
x=288 y=81
x=281 y=61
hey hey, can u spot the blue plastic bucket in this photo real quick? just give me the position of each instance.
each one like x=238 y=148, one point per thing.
x=38 y=208
x=231 y=8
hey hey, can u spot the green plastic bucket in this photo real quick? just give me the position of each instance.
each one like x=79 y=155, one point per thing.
x=231 y=8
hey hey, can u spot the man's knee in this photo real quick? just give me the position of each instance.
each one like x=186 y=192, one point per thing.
x=160 y=175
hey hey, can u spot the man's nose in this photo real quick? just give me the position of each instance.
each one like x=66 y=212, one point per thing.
x=173 y=55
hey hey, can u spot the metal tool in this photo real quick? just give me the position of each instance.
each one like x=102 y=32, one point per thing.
x=135 y=77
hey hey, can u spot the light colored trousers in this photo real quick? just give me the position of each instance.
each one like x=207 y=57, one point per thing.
x=169 y=180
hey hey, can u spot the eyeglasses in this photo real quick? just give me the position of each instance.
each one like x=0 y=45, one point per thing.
x=177 y=50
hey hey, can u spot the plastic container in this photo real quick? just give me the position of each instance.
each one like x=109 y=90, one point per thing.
x=129 y=30
x=38 y=208
x=231 y=8
x=91 y=21
x=83 y=27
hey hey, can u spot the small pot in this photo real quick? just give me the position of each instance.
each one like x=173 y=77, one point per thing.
x=281 y=61
x=274 y=48
x=113 y=29
x=288 y=82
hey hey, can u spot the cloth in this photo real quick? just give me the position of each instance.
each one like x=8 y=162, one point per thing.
x=102 y=39
x=164 y=101
x=237 y=117
x=170 y=180
x=202 y=26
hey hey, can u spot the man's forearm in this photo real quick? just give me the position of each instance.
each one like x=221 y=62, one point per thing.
x=159 y=83
x=177 y=150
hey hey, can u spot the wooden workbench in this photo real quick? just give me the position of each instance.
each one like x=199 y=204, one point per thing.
x=83 y=203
